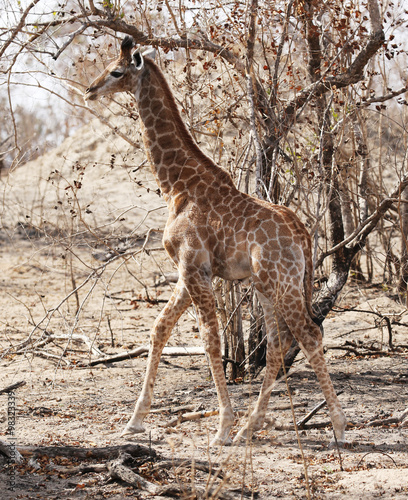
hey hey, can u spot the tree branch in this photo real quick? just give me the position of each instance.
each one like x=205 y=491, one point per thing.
x=17 y=29
x=70 y=40
x=197 y=41
x=386 y=97
x=364 y=229
x=352 y=75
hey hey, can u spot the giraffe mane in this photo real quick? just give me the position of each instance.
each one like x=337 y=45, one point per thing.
x=184 y=133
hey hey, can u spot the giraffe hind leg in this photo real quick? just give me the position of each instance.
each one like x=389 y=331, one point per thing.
x=279 y=340
x=309 y=337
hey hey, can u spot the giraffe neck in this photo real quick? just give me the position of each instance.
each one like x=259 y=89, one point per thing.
x=174 y=156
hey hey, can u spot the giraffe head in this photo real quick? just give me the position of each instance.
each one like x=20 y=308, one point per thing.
x=121 y=75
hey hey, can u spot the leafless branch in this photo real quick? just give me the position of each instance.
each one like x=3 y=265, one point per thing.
x=71 y=38
x=18 y=28
x=358 y=236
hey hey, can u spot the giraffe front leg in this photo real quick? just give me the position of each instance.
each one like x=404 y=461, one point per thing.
x=178 y=303
x=212 y=345
x=201 y=292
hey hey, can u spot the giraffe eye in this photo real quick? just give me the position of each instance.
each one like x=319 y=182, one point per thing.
x=116 y=74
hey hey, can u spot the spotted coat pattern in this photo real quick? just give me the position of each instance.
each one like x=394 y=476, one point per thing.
x=215 y=230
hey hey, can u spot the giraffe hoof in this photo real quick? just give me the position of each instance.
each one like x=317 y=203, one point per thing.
x=342 y=443
x=240 y=436
x=218 y=441
x=243 y=435
x=131 y=430
x=248 y=431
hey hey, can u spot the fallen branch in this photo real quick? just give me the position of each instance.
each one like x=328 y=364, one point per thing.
x=78 y=337
x=51 y=357
x=117 y=470
x=317 y=425
x=245 y=412
x=401 y=418
x=107 y=452
x=13 y=387
x=36 y=345
x=195 y=415
x=167 y=351
x=358 y=352
x=313 y=412
x=283 y=407
x=193 y=464
x=79 y=469
x=118 y=357
x=173 y=409
x=49 y=337
x=240 y=412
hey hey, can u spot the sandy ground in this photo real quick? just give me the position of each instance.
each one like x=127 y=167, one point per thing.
x=53 y=240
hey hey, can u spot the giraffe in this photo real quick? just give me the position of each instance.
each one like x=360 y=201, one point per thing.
x=213 y=229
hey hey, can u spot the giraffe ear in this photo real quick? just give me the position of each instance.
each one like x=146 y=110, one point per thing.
x=151 y=53
x=138 y=59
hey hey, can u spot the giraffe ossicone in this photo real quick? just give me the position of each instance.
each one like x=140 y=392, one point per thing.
x=215 y=230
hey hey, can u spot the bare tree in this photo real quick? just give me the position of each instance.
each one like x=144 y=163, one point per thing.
x=290 y=97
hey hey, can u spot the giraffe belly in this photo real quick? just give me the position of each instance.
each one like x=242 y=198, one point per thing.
x=233 y=269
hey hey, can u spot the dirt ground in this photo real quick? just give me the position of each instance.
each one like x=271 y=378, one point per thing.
x=66 y=404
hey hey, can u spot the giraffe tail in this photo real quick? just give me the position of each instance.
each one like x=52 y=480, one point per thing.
x=308 y=287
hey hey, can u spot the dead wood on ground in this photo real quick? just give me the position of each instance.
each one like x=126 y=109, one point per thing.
x=82 y=453
x=134 y=353
x=313 y=412
x=195 y=415
x=201 y=465
x=13 y=387
x=119 y=471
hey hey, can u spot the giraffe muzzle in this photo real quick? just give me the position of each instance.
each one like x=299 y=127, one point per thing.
x=90 y=94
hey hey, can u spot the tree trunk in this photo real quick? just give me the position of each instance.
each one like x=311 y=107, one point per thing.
x=228 y=295
x=403 y=210
x=257 y=338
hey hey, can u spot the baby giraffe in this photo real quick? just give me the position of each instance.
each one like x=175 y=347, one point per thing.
x=215 y=230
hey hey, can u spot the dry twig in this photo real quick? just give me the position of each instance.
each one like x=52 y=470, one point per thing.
x=13 y=387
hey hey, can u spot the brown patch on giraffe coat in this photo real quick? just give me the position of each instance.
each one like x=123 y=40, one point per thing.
x=167 y=141
x=202 y=233
x=189 y=174
x=169 y=156
x=149 y=122
x=178 y=186
x=156 y=107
